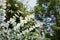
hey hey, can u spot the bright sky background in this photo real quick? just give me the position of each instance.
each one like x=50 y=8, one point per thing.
x=30 y=4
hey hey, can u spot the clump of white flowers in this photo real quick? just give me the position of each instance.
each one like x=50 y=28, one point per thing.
x=17 y=28
x=28 y=27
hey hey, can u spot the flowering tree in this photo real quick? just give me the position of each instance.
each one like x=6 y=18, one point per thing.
x=20 y=24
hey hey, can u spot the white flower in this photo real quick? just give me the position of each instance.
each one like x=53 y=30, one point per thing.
x=8 y=21
x=17 y=26
x=20 y=11
x=26 y=18
x=25 y=21
x=31 y=16
x=12 y=20
x=18 y=35
x=33 y=26
x=23 y=32
x=14 y=23
x=26 y=30
x=11 y=11
x=21 y=18
x=21 y=22
x=30 y=29
x=16 y=15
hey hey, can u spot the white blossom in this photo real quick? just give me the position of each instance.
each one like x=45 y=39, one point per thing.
x=16 y=15
x=25 y=21
x=12 y=20
x=30 y=29
x=17 y=26
x=21 y=18
x=22 y=22
x=28 y=17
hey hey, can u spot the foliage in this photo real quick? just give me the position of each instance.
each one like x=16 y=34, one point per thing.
x=47 y=8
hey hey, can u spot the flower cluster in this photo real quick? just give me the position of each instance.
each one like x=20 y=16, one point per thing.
x=18 y=31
